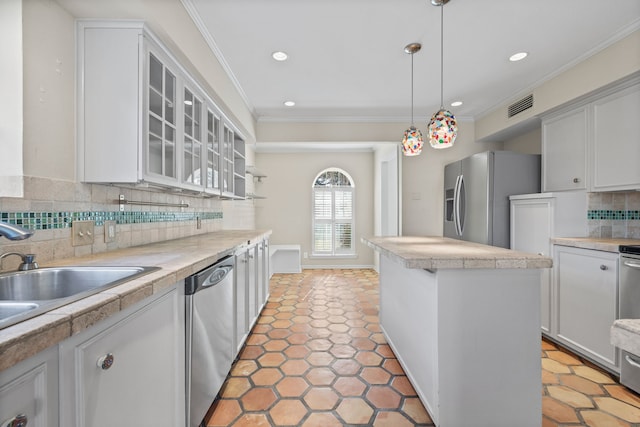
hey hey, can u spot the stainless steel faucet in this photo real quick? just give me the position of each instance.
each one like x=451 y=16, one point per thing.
x=28 y=260
x=14 y=232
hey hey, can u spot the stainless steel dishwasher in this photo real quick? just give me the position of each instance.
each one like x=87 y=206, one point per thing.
x=209 y=336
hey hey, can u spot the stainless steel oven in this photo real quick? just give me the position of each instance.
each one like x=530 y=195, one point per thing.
x=629 y=305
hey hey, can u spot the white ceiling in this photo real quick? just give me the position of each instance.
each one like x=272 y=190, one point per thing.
x=346 y=57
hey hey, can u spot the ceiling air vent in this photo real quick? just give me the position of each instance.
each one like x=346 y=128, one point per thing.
x=521 y=105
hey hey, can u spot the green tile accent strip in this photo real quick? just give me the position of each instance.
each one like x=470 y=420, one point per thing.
x=613 y=215
x=52 y=220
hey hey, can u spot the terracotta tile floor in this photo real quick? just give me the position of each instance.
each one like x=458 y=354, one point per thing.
x=316 y=357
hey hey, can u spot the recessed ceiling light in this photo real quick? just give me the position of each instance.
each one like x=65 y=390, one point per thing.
x=280 y=56
x=289 y=103
x=456 y=103
x=518 y=56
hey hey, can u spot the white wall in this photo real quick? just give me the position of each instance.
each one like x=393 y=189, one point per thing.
x=49 y=91
x=287 y=206
x=11 y=184
x=528 y=143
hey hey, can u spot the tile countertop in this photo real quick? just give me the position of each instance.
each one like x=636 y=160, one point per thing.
x=607 y=245
x=434 y=253
x=177 y=259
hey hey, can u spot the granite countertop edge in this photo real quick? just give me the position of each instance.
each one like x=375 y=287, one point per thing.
x=595 y=243
x=177 y=260
x=433 y=253
x=625 y=334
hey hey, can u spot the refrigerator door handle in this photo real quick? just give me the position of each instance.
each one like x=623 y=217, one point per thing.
x=460 y=213
x=456 y=205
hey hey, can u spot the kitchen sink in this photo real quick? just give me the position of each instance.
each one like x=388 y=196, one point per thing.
x=9 y=309
x=25 y=294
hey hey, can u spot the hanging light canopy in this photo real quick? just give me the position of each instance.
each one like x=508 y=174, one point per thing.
x=412 y=141
x=443 y=127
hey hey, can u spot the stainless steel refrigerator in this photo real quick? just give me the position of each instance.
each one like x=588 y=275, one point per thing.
x=477 y=190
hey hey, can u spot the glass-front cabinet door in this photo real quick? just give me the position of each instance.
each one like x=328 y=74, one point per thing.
x=161 y=148
x=227 y=162
x=192 y=148
x=212 y=184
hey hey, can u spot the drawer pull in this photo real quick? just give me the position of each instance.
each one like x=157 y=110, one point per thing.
x=603 y=267
x=17 y=421
x=576 y=180
x=105 y=362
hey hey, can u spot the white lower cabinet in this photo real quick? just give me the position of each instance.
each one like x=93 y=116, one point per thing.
x=129 y=370
x=240 y=300
x=535 y=219
x=29 y=391
x=531 y=229
x=586 y=291
x=251 y=288
x=262 y=273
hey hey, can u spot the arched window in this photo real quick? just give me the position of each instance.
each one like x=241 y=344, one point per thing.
x=333 y=217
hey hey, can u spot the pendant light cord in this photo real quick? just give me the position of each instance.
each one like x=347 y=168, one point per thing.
x=442 y=56
x=412 y=90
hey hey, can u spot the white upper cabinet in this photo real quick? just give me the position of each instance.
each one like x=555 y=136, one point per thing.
x=616 y=141
x=143 y=119
x=564 y=151
x=594 y=146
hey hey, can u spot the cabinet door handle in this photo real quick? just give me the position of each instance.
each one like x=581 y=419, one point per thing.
x=105 y=362
x=576 y=180
x=603 y=267
x=19 y=420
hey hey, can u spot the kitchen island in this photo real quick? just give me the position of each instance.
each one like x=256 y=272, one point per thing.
x=464 y=322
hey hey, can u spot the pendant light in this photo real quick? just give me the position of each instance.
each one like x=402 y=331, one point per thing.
x=412 y=141
x=442 y=127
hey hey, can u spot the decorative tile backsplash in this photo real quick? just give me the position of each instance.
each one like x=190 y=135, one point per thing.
x=614 y=215
x=50 y=207
x=53 y=220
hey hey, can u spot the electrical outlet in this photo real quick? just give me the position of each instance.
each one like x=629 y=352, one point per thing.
x=305 y=255
x=109 y=231
x=82 y=232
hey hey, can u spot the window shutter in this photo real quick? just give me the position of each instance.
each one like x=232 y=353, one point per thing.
x=333 y=218
x=322 y=204
x=344 y=204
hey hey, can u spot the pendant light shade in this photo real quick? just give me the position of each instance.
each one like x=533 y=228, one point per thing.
x=443 y=127
x=412 y=141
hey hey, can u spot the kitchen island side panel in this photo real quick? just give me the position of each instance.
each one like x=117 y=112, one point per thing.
x=408 y=318
x=489 y=347
x=469 y=341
